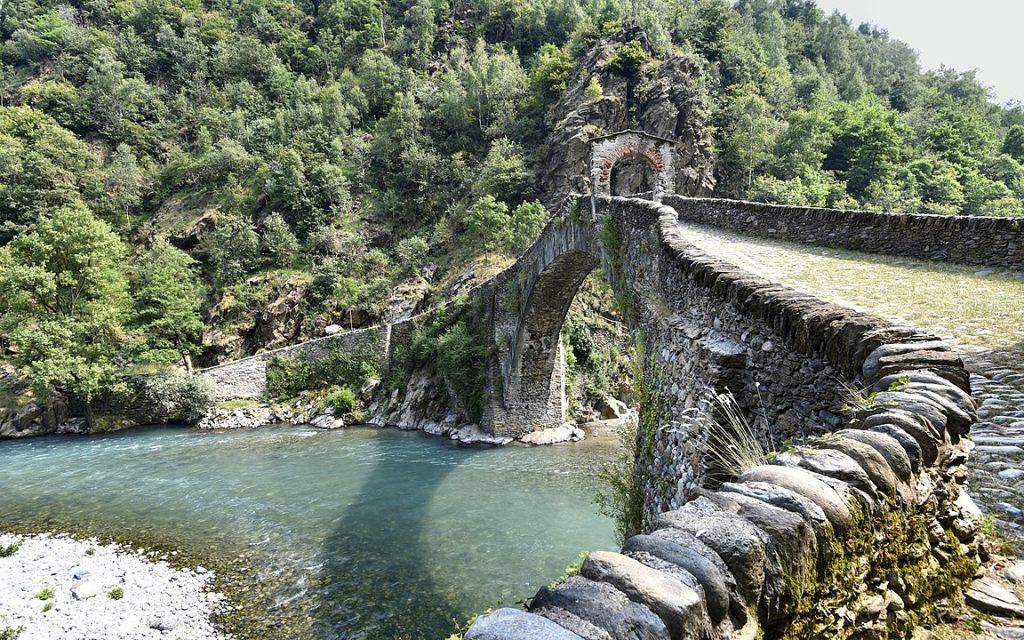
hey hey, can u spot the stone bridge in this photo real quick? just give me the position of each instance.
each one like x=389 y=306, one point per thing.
x=854 y=526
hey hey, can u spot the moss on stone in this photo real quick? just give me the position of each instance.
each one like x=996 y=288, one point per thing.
x=887 y=550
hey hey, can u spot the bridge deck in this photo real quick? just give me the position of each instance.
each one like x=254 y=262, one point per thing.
x=983 y=309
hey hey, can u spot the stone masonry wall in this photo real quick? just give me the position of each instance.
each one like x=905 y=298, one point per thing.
x=857 y=533
x=246 y=378
x=975 y=240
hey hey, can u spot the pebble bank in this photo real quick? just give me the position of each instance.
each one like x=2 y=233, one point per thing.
x=57 y=588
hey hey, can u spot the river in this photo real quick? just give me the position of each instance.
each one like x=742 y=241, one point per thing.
x=365 y=533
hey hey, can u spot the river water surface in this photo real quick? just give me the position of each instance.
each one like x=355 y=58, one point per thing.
x=377 y=534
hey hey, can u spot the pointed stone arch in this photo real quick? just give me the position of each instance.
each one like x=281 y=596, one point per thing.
x=657 y=152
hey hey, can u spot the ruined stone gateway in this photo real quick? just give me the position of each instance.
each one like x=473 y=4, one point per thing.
x=856 y=525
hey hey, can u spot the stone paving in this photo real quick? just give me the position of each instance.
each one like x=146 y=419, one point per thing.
x=981 y=309
x=997 y=467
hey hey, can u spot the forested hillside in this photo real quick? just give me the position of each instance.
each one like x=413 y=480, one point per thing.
x=190 y=179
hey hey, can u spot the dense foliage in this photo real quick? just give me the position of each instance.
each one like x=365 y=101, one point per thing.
x=358 y=142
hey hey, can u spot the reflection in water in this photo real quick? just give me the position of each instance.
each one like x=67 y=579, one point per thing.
x=382 y=534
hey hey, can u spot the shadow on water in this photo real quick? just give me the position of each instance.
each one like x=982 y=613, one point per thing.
x=376 y=578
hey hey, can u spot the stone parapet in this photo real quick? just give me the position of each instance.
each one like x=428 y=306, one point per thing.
x=972 y=240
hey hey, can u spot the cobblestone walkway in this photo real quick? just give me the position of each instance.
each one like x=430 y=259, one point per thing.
x=981 y=309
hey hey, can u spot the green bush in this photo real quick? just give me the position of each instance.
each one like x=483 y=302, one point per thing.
x=628 y=59
x=288 y=377
x=116 y=593
x=341 y=399
x=10 y=549
x=176 y=395
x=452 y=346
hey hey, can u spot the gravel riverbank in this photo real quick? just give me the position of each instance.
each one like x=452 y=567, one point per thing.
x=56 y=588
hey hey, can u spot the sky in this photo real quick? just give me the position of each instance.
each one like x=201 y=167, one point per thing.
x=987 y=35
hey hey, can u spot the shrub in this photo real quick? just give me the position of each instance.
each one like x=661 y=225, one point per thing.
x=341 y=399
x=278 y=242
x=45 y=594
x=116 y=593
x=11 y=549
x=10 y=633
x=628 y=59
x=177 y=396
x=288 y=377
x=412 y=253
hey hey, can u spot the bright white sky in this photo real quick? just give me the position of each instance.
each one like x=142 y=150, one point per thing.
x=987 y=35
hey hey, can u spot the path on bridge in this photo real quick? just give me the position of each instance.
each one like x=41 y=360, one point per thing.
x=982 y=309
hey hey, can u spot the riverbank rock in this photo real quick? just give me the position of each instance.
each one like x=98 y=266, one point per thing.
x=554 y=435
x=988 y=596
x=238 y=418
x=472 y=434
x=26 y=417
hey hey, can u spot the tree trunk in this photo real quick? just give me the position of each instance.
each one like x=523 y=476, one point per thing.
x=187 y=359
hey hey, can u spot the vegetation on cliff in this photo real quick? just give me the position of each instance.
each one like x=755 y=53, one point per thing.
x=224 y=176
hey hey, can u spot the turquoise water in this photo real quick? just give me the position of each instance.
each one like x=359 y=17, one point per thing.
x=376 y=533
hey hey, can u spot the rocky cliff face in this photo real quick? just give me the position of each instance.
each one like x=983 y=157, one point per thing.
x=664 y=98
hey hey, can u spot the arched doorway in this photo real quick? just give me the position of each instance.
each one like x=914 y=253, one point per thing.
x=634 y=176
x=632 y=163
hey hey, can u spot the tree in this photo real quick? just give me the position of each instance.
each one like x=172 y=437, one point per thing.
x=233 y=249
x=487 y=224
x=526 y=224
x=42 y=166
x=504 y=173
x=412 y=253
x=125 y=181
x=167 y=302
x=1013 y=145
x=279 y=243
x=64 y=300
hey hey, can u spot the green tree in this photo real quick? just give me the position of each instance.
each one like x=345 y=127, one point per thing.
x=125 y=181
x=278 y=243
x=167 y=302
x=42 y=166
x=64 y=301
x=504 y=173
x=526 y=224
x=412 y=253
x=1013 y=145
x=487 y=224
x=232 y=249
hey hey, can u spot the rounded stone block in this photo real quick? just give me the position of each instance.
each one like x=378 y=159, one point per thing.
x=834 y=464
x=737 y=542
x=679 y=607
x=707 y=574
x=872 y=462
x=602 y=606
x=887 y=447
x=803 y=483
x=907 y=442
x=928 y=440
x=513 y=624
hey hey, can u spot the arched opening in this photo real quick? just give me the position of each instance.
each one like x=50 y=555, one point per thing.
x=537 y=393
x=634 y=175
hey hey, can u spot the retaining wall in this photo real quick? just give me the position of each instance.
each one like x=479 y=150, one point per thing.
x=973 y=240
x=246 y=378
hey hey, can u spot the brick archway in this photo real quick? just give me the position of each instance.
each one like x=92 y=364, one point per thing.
x=658 y=153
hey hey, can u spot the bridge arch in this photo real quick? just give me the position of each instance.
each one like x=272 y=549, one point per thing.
x=657 y=153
